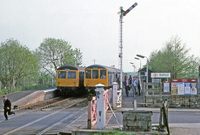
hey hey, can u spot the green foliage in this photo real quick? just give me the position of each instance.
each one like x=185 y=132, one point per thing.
x=54 y=53
x=174 y=58
x=16 y=62
x=111 y=133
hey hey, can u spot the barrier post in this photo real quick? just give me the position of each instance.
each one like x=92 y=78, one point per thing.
x=89 y=112
x=101 y=115
x=115 y=97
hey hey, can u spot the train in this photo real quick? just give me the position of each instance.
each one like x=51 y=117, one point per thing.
x=99 y=74
x=70 y=79
x=79 y=80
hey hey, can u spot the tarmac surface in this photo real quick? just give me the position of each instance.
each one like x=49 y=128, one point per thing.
x=182 y=121
x=53 y=120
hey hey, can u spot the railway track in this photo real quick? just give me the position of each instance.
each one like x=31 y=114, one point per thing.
x=52 y=103
x=63 y=118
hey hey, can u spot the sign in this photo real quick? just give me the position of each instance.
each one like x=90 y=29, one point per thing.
x=184 y=86
x=181 y=88
x=187 y=88
x=174 y=88
x=178 y=88
x=160 y=75
x=166 y=87
x=193 y=88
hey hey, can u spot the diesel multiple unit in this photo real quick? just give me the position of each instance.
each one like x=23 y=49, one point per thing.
x=78 y=79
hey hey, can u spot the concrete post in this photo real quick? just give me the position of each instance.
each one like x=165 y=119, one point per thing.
x=101 y=113
x=0 y=85
x=115 y=85
x=134 y=105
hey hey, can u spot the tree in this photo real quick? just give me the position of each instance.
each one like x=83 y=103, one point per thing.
x=54 y=53
x=174 y=58
x=16 y=62
x=77 y=57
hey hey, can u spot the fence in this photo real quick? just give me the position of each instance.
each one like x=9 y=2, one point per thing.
x=92 y=111
x=152 y=88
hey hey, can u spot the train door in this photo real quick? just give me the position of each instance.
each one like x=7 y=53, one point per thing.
x=81 y=78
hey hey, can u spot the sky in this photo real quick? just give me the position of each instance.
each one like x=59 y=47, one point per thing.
x=93 y=26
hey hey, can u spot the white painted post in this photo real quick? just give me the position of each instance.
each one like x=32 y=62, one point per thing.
x=101 y=113
x=115 y=85
x=134 y=105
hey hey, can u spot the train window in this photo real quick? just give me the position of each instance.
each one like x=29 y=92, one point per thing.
x=62 y=74
x=88 y=74
x=95 y=74
x=71 y=74
x=103 y=74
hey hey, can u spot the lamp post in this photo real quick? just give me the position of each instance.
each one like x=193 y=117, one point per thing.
x=122 y=14
x=139 y=60
x=133 y=66
x=141 y=56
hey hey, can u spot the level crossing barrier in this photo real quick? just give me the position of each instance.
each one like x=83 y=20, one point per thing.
x=93 y=102
x=92 y=111
x=116 y=96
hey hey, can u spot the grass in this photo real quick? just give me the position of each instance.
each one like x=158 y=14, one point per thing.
x=112 y=133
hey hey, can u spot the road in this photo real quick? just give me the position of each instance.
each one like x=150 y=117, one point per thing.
x=40 y=122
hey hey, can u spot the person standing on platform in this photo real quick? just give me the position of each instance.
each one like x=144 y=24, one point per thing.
x=7 y=107
x=134 y=86
x=130 y=82
x=126 y=84
x=138 y=85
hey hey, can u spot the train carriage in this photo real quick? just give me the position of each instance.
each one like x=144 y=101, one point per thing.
x=95 y=74
x=69 y=79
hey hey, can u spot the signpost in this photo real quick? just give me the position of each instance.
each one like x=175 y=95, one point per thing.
x=166 y=87
x=160 y=75
x=123 y=13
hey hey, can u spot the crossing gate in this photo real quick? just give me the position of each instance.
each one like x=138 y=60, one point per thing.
x=117 y=96
x=92 y=108
x=92 y=111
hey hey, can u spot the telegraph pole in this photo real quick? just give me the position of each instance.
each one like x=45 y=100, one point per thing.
x=123 y=13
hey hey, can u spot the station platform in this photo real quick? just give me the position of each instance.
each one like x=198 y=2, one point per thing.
x=24 y=97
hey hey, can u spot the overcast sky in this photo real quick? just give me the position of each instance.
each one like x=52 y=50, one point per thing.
x=93 y=26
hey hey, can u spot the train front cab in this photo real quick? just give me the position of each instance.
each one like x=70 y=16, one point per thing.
x=67 y=80
x=94 y=76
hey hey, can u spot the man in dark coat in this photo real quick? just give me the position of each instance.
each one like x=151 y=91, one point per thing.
x=7 y=107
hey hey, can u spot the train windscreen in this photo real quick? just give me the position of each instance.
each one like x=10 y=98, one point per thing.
x=62 y=74
x=71 y=75
x=88 y=74
x=95 y=74
x=103 y=74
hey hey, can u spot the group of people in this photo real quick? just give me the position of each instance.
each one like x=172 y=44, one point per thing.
x=130 y=83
